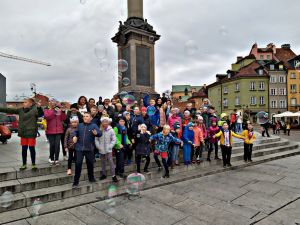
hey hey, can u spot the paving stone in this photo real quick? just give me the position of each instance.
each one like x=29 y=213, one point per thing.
x=92 y=216
x=290 y=181
x=202 y=197
x=20 y=222
x=61 y=218
x=190 y=220
x=14 y=215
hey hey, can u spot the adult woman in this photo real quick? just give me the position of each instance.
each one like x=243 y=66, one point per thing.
x=82 y=105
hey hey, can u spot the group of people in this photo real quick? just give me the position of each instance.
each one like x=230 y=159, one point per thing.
x=109 y=128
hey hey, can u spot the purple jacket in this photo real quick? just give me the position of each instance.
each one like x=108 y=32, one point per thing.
x=54 y=122
x=211 y=132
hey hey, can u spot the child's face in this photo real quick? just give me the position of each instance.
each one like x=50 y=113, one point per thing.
x=105 y=123
x=191 y=127
x=250 y=127
x=214 y=124
x=152 y=102
x=177 y=130
x=143 y=129
x=166 y=131
x=122 y=123
x=74 y=124
x=225 y=126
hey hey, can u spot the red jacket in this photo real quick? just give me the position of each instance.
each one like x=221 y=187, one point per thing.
x=54 y=122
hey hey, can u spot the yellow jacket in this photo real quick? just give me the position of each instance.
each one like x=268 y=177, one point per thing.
x=247 y=140
x=222 y=138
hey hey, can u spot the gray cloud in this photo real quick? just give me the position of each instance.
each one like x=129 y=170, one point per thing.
x=65 y=33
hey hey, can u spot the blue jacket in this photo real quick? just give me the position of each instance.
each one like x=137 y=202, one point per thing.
x=163 y=142
x=188 y=135
x=136 y=121
x=86 y=138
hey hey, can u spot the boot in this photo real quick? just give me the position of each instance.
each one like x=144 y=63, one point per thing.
x=172 y=165
x=166 y=175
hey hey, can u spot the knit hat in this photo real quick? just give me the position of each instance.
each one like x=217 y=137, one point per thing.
x=74 y=118
x=176 y=126
x=187 y=112
x=213 y=119
x=190 y=124
x=143 y=109
x=125 y=113
x=104 y=118
x=176 y=110
x=199 y=117
x=223 y=115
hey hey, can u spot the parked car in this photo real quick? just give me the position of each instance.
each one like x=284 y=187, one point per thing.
x=11 y=121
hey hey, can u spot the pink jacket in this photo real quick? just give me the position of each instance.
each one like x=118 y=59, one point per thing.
x=203 y=129
x=198 y=136
x=211 y=132
x=54 y=122
x=171 y=121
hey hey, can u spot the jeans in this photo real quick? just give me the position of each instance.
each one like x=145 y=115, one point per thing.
x=54 y=141
x=247 y=151
x=226 y=154
x=238 y=127
x=119 y=161
x=24 y=154
x=89 y=158
x=175 y=153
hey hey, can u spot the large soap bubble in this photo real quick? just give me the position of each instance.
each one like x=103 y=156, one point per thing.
x=135 y=183
x=6 y=199
x=122 y=65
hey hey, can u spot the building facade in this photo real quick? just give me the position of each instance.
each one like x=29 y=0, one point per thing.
x=293 y=85
x=2 y=90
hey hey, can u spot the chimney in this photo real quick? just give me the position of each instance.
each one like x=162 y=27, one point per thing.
x=286 y=46
x=239 y=58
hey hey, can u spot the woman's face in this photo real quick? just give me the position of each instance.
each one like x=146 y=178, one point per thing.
x=159 y=101
x=82 y=101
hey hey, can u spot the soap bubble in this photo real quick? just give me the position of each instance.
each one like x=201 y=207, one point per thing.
x=104 y=65
x=122 y=94
x=151 y=110
x=120 y=76
x=223 y=30
x=125 y=81
x=128 y=100
x=190 y=48
x=135 y=183
x=262 y=117
x=100 y=50
x=122 y=65
x=82 y=2
x=297 y=66
x=6 y=199
x=112 y=192
x=36 y=207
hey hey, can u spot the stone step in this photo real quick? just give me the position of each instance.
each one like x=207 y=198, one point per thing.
x=98 y=194
x=45 y=169
x=38 y=182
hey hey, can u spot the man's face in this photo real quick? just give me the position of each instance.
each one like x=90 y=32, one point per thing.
x=212 y=111
x=166 y=131
x=136 y=111
x=113 y=102
x=87 y=118
x=27 y=103
x=127 y=116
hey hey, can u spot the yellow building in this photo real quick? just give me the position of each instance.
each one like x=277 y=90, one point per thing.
x=293 y=84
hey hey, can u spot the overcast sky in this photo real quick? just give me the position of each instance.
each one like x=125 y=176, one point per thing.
x=198 y=40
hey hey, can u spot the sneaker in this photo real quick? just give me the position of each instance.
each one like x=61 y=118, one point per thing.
x=56 y=162
x=75 y=185
x=50 y=161
x=24 y=167
x=34 y=167
x=69 y=172
x=229 y=164
x=65 y=158
x=115 y=179
x=92 y=181
x=103 y=177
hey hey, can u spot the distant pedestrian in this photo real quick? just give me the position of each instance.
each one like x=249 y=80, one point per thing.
x=288 y=128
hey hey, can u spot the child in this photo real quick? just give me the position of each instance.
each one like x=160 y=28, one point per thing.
x=199 y=143
x=105 y=145
x=142 y=148
x=188 y=143
x=84 y=139
x=175 y=147
x=69 y=144
x=186 y=119
x=288 y=128
x=213 y=142
x=122 y=143
x=226 y=143
x=250 y=137
x=223 y=119
x=163 y=139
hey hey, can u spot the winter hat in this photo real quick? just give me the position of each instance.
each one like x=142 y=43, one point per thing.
x=223 y=115
x=125 y=113
x=104 y=118
x=176 y=126
x=199 y=117
x=143 y=109
x=190 y=124
x=74 y=118
x=213 y=119
x=176 y=110
x=143 y=125
x=187 y=112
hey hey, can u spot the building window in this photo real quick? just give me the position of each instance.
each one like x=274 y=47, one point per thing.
x=282 y=104
x=252 y=100
x=293 y=101
x=186 y=92
x=281 y=91
x=268 y=57
x=237 y=101
x=225 y=90
x=225 y=102
x=261 y=57
x=261 y=100
x=281 y=79
x=237 y=87
x=296 y=63
x=293 y=76
x=273 y=104
x=273 y=79
x=261 y=72
x=273 y=91
x=272 y=67
x=281 y=67
x=252 y=86
x=293 y=88
x=261 y=85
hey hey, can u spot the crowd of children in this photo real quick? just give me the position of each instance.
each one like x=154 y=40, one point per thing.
x=109 y=129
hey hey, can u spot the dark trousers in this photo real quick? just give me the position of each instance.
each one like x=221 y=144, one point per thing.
x=62 y=141
x=211 y=147
x=226 y=154
x=119 y=161
x=247 y=151
x=128 y=152
x=288 y=131
x=72 y=153
x=192 y=152
x=164 y=162
x=232 y=127
x=155 y=156
x=265 y=131
x=89 y=158
x=138 y=163
x=199 y=150
x=24 y=154
x=54 y=141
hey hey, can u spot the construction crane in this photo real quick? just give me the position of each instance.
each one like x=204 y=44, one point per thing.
x=2 y=54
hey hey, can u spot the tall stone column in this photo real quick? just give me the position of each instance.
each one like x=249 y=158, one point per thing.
x=136 y=43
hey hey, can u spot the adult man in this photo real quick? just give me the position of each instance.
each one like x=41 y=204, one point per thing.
x=85 y=139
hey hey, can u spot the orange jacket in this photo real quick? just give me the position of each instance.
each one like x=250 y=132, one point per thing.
x=198 y=136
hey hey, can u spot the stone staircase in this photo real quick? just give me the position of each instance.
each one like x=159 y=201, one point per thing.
x=54 y=188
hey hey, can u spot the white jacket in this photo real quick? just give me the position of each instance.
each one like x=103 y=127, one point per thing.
x=107 y=141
